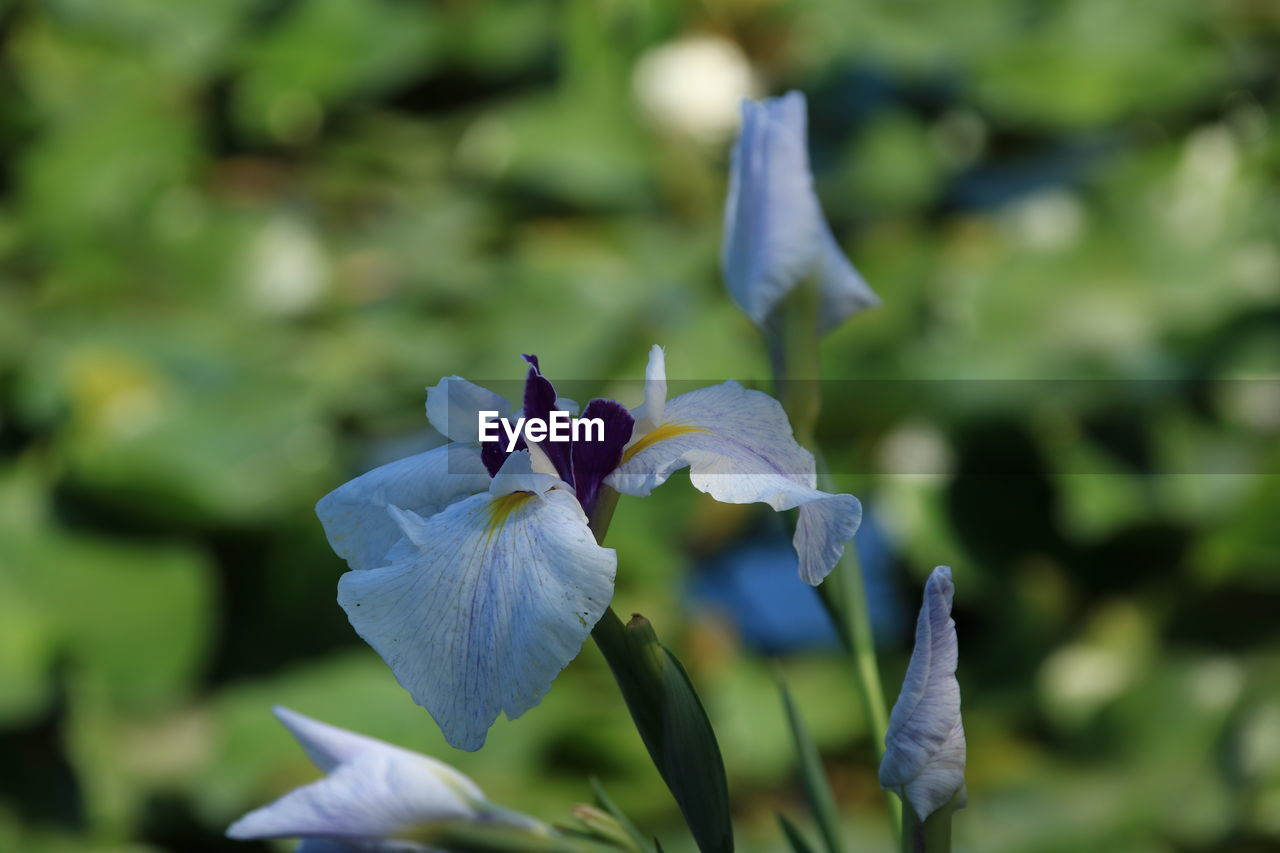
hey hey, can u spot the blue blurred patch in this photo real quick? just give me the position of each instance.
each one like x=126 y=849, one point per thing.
x=755 y=584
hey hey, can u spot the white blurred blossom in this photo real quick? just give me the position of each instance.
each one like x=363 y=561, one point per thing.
x=286 y=269
x=694 y=85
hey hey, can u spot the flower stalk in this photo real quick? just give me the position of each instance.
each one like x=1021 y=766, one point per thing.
x=667 y=713
x=931 y=835
x=795 y=356
x=793 y=344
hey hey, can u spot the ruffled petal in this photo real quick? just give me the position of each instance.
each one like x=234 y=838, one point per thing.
x=355 y=515
x=376 y=795
x=739 y=448
x=454 y=406
x=826 y=522
x=924 y=747
x=775 y=234
x=483 y=604
x=329 y=746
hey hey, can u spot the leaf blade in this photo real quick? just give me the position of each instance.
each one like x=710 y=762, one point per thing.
x=673 y=724
x=817 y=790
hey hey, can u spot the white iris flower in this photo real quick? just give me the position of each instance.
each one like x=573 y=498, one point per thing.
x=373 y=797
x=476 y=575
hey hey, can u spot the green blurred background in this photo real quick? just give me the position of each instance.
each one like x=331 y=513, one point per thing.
x=238 y=238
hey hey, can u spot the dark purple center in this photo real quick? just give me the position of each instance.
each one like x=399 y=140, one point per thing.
x=581 y=464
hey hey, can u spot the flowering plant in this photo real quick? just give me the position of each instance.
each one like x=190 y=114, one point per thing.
x=478 y=568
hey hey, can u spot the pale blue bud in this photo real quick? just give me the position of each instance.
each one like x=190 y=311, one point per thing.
x=924 y=746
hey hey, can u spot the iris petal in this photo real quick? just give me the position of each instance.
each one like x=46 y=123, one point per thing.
x=925 y=747
x=517 y=474
x=739 y=448
x=540 y=401
x=824 y=525
x=483 y=604
x=454 y=404
x=649 y=414
x=329 y=746
x=355 y=515
x=376 y=795
x=593 y=460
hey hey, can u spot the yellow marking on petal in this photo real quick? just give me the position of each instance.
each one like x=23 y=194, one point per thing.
x=501 y=509
x=662 y=433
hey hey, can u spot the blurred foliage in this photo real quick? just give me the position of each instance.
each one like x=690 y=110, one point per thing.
x=238 y=238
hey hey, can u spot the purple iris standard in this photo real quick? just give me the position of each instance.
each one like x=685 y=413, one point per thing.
x=775 y=234
x=476 y=574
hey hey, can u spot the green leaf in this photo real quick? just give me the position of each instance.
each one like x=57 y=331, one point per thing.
x=673 y=725
x=322 y=52
x=601 y=827
x=932 y=835
x=83 y=588
x=797 y=841
x=605 y=802
x=817 y=792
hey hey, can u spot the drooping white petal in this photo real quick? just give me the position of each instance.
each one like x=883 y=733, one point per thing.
x=454 y=405
x=738 y=446
x=483 y=604
x=924 y=747
x=375 y=795
x=775 y=234
x=329 y=746
x=355 y=515
x=825 y=524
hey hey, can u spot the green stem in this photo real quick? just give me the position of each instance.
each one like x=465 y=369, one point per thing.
x=845 y=592
x=859 y=641
x=793 y=341
x=845 y=595
x=932 y=835
x=602 y=514
x=668 y=715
